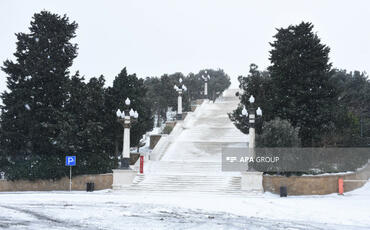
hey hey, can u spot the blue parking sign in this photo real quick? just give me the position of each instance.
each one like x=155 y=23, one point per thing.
x=70 y=160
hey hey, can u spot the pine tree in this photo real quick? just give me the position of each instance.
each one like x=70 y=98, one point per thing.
x=218 y=82
x=84 y=132
x=300 y=74
x=32 y=114
x=97 y=149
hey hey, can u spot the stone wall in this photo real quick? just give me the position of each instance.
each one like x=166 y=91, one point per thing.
x=102 y=181
x=184 y=114
x=171 y=124
x=315 y=185
x=154 y=138
x=134 y=157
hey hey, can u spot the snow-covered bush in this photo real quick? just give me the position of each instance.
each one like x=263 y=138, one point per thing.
x=278 y=133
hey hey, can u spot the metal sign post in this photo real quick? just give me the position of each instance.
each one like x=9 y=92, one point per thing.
x=70 y=178
x=70 y=161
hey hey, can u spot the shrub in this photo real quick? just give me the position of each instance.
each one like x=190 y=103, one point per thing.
x=278 y=133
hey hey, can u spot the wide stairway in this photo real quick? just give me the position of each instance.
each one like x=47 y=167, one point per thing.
x=178 y=176
x=189 y=159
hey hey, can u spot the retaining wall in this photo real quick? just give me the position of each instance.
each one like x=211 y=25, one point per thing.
x=102 y=181
x=315 y=185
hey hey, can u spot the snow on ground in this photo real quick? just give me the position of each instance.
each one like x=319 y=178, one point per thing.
x=179 y=210
x=121 y=210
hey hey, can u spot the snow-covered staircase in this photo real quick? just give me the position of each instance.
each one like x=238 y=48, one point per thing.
x=180 y=176
x=189 y=159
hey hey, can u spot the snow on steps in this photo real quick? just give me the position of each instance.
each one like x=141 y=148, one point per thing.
x=189 y=159
x=166 y=140
x=179 y=176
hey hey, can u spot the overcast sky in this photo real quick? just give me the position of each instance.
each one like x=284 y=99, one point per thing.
x=153 y=37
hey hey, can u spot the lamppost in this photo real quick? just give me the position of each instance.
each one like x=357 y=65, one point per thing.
x=179 y=89
x=205 y=78
x=252 y=119
x=126 y=118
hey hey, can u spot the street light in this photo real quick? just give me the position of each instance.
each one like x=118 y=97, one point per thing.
x=126 y=118
x=251 y=119
x=205 y=78
x=181 y=88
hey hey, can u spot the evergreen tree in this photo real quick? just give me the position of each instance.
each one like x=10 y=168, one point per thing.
x=85 y=131
x=218 y=82
x=32 y=114
x=162 y=95
x=153 y=87
x=300 y=73
x=259 y=84
x=195 y=85
x=352 y=111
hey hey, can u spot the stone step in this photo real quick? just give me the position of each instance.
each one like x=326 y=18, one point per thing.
x=187 y=178
x=223 y=193
x=187 y=168
x=190 y=188
x=182 y=183
x=150 y=186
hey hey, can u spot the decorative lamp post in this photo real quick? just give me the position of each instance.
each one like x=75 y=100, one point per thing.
x=180 y=90
x=126 y=118
x=205 y=78
x=252 y=119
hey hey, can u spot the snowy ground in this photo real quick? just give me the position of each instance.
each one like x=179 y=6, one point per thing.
x=118 y=210
x=155 y=210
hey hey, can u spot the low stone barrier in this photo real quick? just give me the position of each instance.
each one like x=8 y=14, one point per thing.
x=316 y=184
x=154 y=138
x=101 y=181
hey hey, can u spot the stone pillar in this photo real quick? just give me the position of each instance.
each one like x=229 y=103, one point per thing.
x=252 y=138
x=252 y=182
x=205 y=90
x=252 y=133
x=179 y=106
x=123 y=178
x=125 y=162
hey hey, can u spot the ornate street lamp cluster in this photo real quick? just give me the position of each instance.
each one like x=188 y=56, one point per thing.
x=252 y=120
x=205 y=78
x=179 y=89
x=126 y=118
x=182 y=88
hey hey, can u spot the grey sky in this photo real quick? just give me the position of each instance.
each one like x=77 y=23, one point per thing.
x=152 y=37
